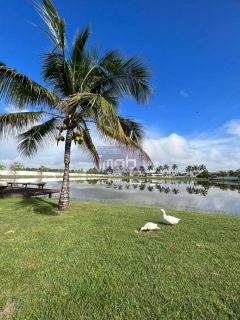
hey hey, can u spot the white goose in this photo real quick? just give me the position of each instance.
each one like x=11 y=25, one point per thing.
x=150 y=226
x=169 y=219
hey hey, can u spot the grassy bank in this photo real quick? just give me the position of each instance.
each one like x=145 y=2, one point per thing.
x=90 y=264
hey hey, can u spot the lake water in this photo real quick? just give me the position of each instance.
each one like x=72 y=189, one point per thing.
x=187 y=195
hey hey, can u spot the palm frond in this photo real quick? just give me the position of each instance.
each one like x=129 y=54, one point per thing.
x=103 y=112
x=79 y=45
x=84 y=70
x=128 y=76
x=57 y=71
x=55 y=25
x=19 y=90
x=90 y=105
x=132 y=129
x=86 y=106
x=110 y=95
x=36 y=137
x=83 y=101
x=89 y=146
x=120 y=137
x=13 y=123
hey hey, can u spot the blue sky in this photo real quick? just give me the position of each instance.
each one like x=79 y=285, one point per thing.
x=192 y=47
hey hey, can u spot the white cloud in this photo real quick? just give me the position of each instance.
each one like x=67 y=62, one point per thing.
x=162 y=149
x=233 y=127
x=220 y=150
x=50 y=156
x=184 y=93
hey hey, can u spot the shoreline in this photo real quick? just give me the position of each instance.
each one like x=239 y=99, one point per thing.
x=101 y=177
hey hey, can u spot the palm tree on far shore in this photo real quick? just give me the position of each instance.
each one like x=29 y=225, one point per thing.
x=83 y=90
x=142 y=169
x=195 y=170
x=159 y=169
x=189 y=169
x=202 y=167
x=174 y=167
x=150 y=168
x=166 y=167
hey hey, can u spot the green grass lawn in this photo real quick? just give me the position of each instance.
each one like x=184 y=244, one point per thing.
x=89 y=263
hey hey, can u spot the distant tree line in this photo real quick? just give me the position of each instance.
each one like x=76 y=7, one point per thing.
x=229 y=173
x=199 y=171
x=18 y=166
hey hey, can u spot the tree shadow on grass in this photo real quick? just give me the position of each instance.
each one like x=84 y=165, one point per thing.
x=39 y=206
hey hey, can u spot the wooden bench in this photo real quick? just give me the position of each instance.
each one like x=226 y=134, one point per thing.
x=27 y=192
x=25 y=184
x=11 y=184
x=40 y=184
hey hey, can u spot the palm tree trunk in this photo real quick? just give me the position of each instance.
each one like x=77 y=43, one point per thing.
x=64 y=195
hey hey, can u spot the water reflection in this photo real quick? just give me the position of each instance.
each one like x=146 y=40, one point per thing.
x=179 y=194
x=191 y=187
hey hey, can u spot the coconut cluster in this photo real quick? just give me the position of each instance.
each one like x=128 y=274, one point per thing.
x=77 y=136
x=60 y=127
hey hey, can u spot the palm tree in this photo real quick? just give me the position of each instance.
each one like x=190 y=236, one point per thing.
x=165 y=167
x=195 y=170
x=189 y=169
x=142 y=169
x=159 y=169
x=174 y=167
x=83 y=90
x=109 y=170
x=202 y=167
x=150 y=168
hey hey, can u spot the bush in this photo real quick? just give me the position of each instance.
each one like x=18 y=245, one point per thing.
x=92 y=171
x=204 y=174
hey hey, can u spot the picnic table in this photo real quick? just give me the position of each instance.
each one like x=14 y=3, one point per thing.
x=26 y=192
x=25 y=184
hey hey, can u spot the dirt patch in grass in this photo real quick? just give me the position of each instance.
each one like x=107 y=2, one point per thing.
x=8 y=311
